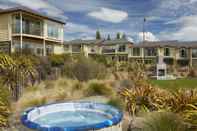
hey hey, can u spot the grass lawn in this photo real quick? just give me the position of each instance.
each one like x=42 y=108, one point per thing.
x=175 y=84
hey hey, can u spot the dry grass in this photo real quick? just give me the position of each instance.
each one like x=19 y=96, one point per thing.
x=48 y=92
x=57 y=91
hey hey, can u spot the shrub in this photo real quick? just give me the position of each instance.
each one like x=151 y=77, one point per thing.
x=100 y=59
x=4 y=106
x=163 y=121
x=116 y=102
x=126 y=83
x=58 y=60
x=84 y=69
x=96 y=88
x=192 y=73
x=44 y=68
x=77 y=86
x=36 y=102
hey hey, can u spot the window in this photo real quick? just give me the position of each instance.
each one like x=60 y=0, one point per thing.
x=39 y=51
x=48 y=51
x=66 y=48
x=150 y=51
x=183 y=53
x=16 y=24
x=76 y=48
x=53 y=31
x=30 y=25
x=122 y=48
x=109 y=49
x=194 y=53
x=148 y=61
x=166 y=51
x=136 y=52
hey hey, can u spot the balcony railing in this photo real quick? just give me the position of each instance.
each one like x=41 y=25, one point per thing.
x=30 y=26
x=108 y=51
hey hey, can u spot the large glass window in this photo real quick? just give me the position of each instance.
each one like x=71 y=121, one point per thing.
x=53 y=31
x=183 y=52
x=167 y=52
x=194 y=53
x=30 y=25
x=16 y=24
x=136 y=52
x=150 y=51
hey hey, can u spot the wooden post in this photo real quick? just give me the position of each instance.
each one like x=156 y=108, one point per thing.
x=21 y=32
x=44 y=48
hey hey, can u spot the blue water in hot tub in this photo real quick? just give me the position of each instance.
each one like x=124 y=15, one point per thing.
x=72 y=118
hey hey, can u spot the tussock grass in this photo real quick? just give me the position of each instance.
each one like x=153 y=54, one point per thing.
x=59 y=91
x=116 y=102
x=99 y=88
x=163 y=121
x=48 y=92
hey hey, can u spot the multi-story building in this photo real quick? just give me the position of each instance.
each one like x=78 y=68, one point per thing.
x=88 y=47
x=22 y=28
x=113 y=49
x=172 y=53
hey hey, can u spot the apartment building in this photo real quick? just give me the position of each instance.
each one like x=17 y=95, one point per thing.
x=25 y=29
x=88 y=47
x=171 y=52
x=117 y=49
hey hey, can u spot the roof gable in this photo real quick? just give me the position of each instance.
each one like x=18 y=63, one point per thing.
x=28 y=10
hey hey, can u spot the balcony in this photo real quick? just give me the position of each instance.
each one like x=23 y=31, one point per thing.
x=30 y=26
x=150 y=52
x=108 y=51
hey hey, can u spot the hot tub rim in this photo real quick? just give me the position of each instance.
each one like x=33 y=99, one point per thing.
x=115 y=120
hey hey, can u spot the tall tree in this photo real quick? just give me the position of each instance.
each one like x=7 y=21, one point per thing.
x=124 y=36
x=108 y=37
x=118 y=35
x=98 y=35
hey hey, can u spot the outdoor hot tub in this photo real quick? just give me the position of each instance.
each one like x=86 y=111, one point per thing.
x=73 y=116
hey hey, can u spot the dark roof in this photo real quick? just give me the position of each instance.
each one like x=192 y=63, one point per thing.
x=27 y=10
x=79 y=41
x=179 y=44
x=116 y=41
x=102 y=42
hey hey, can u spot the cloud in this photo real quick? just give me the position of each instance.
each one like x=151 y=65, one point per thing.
x=130 y=39
x=148 y=36
x=78 y=31
x=5 y=6
x=40 y=5
x=186 y=32
x=109 y=15
x=77 y=5
x=193 y=1
x=78 y=28
x=185 y=21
